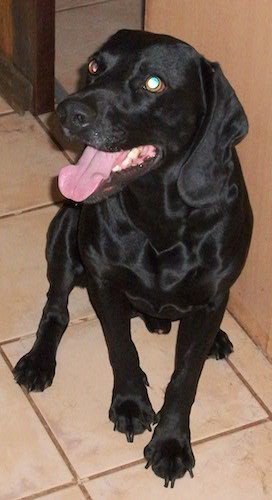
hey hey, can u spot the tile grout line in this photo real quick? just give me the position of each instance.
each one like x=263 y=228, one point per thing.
x=5 y=113
x=73 y=322
x=229 y=432
x=16 y=339
x=84 y=491
x=249 y=388
x=65 y=154
x=140 y=461
x=113 y=470
x=77 y=480
x=194 y=443
x=254 y=342
x=48 y=491
x=56 y=489
x=53 y=138
x=23 y=211
x=64 y=9
x=44 y=423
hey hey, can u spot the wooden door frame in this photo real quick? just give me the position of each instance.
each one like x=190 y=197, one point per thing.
x=27 y=54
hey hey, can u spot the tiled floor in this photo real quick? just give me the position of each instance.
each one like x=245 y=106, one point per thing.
x=60 y=445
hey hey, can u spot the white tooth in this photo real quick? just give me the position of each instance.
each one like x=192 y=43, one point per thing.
x=133 y=154
x=126 y=162
x=117 y=168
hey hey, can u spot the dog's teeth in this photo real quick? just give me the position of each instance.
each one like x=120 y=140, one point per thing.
x=134 y=153
x=126 y=162
x=117 y=168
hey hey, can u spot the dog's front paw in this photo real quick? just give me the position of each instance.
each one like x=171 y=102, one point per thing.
x=131 y=415
x=170 y=457
x=35 y=371
x=222 y=346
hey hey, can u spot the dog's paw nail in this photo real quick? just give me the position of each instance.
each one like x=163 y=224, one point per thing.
x=145 y=380
x=157 y=418
x=130 y=436
x=166 y=482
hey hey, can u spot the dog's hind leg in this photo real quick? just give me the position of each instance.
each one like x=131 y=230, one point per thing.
x=36 y=369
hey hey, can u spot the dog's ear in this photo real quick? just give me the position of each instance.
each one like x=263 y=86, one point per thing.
x=204 y=174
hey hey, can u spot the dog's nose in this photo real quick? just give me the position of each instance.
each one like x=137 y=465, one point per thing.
x=74 y=114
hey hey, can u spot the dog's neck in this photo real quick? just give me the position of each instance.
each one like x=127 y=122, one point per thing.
x=154 y=206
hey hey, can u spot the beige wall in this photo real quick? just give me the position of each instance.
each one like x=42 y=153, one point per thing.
x=238 y=34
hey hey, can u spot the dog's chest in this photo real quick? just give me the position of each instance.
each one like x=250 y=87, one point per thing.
x=113 y=249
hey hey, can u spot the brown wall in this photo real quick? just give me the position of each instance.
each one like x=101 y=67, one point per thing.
x=27 y=49
x=6 y=28
x=238 y=34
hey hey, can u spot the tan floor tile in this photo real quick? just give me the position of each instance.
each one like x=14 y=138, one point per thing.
x=29 y=460
x=80 y=31
x=73 y=493
x=23 y=274
x=250 y=361
x=76 y=406
x=269 y=347
x=29 y=163
x=4 y=107
x=237 y=466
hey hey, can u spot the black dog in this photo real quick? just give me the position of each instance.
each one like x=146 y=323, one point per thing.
x=159 y=226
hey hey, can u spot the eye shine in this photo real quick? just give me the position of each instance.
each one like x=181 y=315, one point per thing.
x=154 y=84
x=93 y=67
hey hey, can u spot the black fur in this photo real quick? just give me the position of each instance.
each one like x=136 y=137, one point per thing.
x=166 y=244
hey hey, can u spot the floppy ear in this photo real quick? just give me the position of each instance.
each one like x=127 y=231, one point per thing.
x=204 y=174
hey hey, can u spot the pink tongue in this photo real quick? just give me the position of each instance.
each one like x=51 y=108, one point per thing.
x=77 y=182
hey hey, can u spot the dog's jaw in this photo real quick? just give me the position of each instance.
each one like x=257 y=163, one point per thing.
x=99 y=174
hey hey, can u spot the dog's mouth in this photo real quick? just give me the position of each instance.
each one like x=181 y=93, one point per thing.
x=99 y=174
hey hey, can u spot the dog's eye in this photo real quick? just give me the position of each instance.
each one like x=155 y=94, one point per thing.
x=93 y=67
x=154 y=84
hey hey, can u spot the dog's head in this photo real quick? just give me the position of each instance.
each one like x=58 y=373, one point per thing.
x=151 y=100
